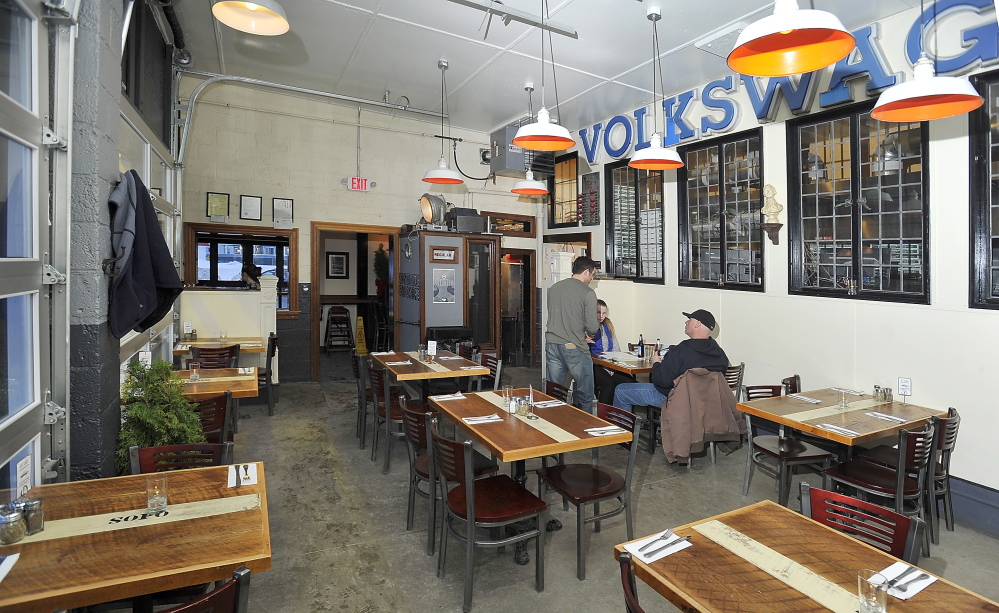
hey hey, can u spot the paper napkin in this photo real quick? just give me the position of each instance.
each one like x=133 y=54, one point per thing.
x=839 y=430
x=8 y=564
x=805 y=398
x=382 y=353
x=891 y=418
x=247 y=474
x=657 y=551
x=482 y=419
x=246 y=371
x=441 y=397
x=911 y=589
x=605 y=431
x=398 y=363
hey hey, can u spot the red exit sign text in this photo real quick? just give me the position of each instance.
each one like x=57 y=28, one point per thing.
x=357 y=184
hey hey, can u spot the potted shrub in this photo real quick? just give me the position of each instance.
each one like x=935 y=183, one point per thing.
x=154 y=411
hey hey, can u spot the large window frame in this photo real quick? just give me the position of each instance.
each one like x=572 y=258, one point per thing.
x=563 y=192
x=635 y=261
x=731 y=182
x=246 y=235
x=983 y=288
x=896 y=175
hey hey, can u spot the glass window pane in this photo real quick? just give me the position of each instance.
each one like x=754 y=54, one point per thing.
x=566 y=189
x=16 y=227
x=15 y=54
x=158 y=176
x=17 y=359
x=132 y=151
x=230 y=262
x=204 y=262
x=624 y=205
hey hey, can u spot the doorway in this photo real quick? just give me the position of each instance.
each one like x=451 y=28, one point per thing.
x=518 y=307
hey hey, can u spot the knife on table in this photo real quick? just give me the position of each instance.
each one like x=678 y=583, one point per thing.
x=667 y=546
x=905 y=573
x=238 y=482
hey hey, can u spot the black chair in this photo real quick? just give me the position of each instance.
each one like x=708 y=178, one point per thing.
x=492 y=502
x=628 y=584
x=585 y=484
x=873 y=524
x=232 y=597
x=792 y=384
x=338 y=329
x=265 y=375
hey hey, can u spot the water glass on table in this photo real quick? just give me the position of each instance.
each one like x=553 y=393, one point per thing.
x=872 y=590
x=507 y=392
x=156 y=493
x=843 y=404
x=195 y=368
x=223 y=336
x=421 y=353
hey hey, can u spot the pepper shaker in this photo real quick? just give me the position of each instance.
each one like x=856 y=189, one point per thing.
x=12 y=526
x=34 y=514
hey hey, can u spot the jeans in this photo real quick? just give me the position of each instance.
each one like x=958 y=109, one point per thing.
x=628 y=395
x=576 y=362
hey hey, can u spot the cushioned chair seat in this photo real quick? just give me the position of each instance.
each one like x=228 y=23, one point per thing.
x=583 y=482
x=497 y=499
x=888 y=456
x=872 y=477
x=788 y=449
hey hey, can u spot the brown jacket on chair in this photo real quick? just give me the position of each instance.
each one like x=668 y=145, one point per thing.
x=700 y=408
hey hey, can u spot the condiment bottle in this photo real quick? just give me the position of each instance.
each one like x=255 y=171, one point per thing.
x=641 y=346
x=879 y=396
x=888 y=396
x=12 y=526
x=34 y=514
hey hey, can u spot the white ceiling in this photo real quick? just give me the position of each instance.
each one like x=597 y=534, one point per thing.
x=365 y=48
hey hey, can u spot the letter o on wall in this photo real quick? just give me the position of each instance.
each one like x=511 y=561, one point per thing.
x=612 y=132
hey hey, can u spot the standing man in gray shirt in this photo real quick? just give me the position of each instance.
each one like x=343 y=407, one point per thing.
x=572 y=316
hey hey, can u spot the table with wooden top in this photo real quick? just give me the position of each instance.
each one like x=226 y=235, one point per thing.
x=805 y=416
x=449 y=367
x=99 y=544
x=242 y=382
x=247 y=344
x=632 y=365
x=723 y=571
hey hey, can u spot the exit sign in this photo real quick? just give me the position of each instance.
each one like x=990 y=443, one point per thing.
x=357 y=184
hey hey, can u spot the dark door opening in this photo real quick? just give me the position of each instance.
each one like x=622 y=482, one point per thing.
x=517 y=308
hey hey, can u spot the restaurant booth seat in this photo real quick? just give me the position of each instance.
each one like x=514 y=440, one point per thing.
x=938 y=483
x=628 y=584
x=215 y=357
x=491 y=502
x=869 y=523
x=591 y=484
x=416 y=426
x=902 y=492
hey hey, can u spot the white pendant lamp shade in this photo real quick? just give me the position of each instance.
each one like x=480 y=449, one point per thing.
x=442 y=174
x=791 y=41
x=926 y=97
x=263 y=17
x=530 y=187
x=655 y=156
x=543 y=135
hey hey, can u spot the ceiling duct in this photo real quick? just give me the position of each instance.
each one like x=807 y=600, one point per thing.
x=509 y=160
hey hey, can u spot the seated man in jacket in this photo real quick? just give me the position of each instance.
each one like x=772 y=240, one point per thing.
x=698 y=351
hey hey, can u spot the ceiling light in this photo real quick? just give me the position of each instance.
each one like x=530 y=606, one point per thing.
x=655 y=156
x=263 y=17
x=544 y=135
x=791 y=41
x=443 y=173
x=530 y=187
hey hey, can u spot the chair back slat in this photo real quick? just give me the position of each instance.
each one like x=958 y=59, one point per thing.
x=175 y=457
x=215 y=357
x=214 y=415
x=377 y=378
x=619 y=417
x=449 y=457
x=918 y=447
x=758 y=392
x=556 y=390
x=792 y=384
x=414 y=425
x=733 y=376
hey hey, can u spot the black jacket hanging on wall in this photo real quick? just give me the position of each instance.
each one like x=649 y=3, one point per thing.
x=144 y=282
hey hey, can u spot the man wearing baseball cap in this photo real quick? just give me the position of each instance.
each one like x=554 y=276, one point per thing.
x=698 y=351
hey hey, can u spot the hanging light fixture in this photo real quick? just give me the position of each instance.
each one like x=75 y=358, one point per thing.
x=528 y=186
x=443 y=175
x=927 y=96
x=791 y=41
x=655 y=156
x=263 y=17
x=544 y=135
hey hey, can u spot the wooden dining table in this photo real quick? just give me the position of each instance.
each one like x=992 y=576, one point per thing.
x=100 y=545
x=247 y=344
x=446 y=365
x=624 y=362
x=807 y=417
x=724 y=568
x=242 y=382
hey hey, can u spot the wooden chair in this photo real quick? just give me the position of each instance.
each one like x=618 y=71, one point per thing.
x=232 y=597
x=792 y=384
x=387 y=415
x=873 y=524
x=585 y=484
x=556 y=390
x=905 y=493
x=492 y=502
x=937 y=485
x=495 y=365
x=146 y=460
x=265 y=375
x=734 y=376
x=787 y=452
x=216 y=417
x=215 y=357
x=628 y=584
x=416 y=426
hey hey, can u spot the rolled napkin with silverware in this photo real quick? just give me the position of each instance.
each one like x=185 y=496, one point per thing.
x=455 y=396
x=605 y=431
x=906 y=581
x=398 y=363
x=658 y=546
x=482 y=419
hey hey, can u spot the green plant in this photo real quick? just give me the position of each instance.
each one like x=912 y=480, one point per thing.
x=154 y=411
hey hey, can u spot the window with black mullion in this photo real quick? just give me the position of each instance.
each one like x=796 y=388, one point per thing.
x=634 y=222
x=858 y=211
x=984 y=142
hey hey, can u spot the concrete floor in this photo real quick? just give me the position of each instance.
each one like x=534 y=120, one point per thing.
x=338 y=524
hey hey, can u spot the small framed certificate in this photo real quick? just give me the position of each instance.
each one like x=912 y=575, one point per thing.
x=218 y=205
x=250 y=206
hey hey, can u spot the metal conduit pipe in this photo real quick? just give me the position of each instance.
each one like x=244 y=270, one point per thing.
x=217 y=78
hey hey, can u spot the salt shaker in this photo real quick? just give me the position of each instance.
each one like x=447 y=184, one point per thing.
x=879 y=395
x=34 y=514
x=12 y=526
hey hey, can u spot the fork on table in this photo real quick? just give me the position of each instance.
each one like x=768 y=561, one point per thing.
x=665 y=536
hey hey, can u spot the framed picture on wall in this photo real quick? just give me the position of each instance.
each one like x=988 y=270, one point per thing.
x=250 y=206
x=284 y=212
x=217 y=205
x=337 y=265
x=444 y=285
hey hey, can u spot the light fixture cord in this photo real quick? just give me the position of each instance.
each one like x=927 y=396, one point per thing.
x=655 y=57
x=662 y=83
x=442 y=110
x=551 y=53
x=446 y=106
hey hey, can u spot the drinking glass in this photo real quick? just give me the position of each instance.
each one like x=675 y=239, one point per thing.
x=507 y=392
x=195 y=368
x=872 y=590
x=421 y=353
x=843 y=404
x=156 y=493
x=223 y=335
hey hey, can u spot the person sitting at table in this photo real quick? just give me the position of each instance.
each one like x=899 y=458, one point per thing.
x=251 y=275
x=698 y=351
x=605 y=380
